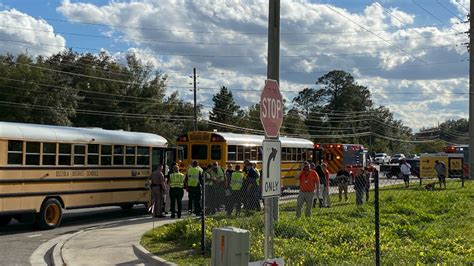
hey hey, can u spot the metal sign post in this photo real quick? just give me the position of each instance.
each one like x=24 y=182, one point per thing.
x=271 y=187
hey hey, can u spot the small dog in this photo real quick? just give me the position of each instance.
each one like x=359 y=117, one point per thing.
x=430 y=187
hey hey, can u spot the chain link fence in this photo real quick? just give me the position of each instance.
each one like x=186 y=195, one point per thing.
x=418 y=220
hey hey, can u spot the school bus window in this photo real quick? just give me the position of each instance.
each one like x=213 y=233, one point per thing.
x=231 y=153
x=247 y=153
x=15 y=152
x=64 y=157
x=32 y=153
x=118 y=154
x=49 y=153
x=143 y=155
x=185 y=151
x=253 y=153
x=240 y=153
x=130 y=157
x=79 y=154
x=106 y=155
x=216 y=152
x=199 y=152
x=298 y=155
x=259 y=153
x=284 y=151
x=93 y=154
x=294 y=154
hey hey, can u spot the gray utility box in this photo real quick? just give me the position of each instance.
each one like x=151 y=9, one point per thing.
x=230 y=246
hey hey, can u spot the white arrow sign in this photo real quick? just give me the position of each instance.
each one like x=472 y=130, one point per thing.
x=271 y=168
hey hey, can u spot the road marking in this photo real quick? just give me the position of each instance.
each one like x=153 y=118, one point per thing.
x=35 y=235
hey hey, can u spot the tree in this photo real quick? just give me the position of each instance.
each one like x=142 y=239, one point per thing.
x=225 y=110
x=32 y=94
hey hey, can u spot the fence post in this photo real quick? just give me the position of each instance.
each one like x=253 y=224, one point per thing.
x=203 y=216
x=377 y=219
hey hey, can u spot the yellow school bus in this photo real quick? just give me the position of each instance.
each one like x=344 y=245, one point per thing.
x=231 y=148
x=45 y=169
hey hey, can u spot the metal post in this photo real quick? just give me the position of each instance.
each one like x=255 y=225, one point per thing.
x=377 y=219
x=273 y=72
x=203 y=217
x=195 y=106
x=471 y=97
x=273 y=67
x=268 y=219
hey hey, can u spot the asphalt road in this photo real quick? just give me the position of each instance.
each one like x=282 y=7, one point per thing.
x=18 y=241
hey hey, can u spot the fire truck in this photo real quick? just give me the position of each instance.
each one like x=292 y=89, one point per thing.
x=338 y=155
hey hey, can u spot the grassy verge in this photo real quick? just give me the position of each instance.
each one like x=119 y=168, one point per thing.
x=417 y=226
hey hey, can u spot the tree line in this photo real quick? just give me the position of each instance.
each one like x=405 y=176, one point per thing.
x=95 y=90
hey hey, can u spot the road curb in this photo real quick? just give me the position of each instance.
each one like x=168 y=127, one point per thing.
x=57 y=251
x=149 y=257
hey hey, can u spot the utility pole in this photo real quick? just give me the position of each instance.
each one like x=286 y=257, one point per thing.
x=195 y=106
x=471 y=97
x=273 y=73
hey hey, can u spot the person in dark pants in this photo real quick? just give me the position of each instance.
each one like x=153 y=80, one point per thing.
x=440 y=169
x=193 y=183
x=176 y=182
x=319 y=187
x=251 y=188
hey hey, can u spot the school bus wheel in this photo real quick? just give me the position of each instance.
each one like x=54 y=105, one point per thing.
x=50 y=215
x=5 y=220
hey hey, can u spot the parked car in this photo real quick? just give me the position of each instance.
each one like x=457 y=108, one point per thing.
x=397 y=157
x=381 y=158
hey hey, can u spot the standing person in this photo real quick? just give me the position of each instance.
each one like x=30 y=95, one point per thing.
x=236 y=181
x=342 y=180
x=360 y=186
x=227 y=190
x=368 y=173
x=157 y=182
x=319 y=193
x=308 y=180
x=440 y=169
x=217 y=192
x=326 y=197
x=176 y=181
x=405 y=172
x=193 y=183
x=251 y=188
x=209 y=191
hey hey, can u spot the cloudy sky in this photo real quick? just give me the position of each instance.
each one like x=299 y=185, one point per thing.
x=411 y=54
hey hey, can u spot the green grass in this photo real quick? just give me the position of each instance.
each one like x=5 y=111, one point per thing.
x=417 y=227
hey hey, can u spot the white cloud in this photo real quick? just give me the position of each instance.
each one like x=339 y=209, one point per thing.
x=230 y=37
x=18 y=37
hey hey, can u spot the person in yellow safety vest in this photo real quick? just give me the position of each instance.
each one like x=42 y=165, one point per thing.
x=193 y=183
x=236 y=184
x=176 y=183
x=216 y=192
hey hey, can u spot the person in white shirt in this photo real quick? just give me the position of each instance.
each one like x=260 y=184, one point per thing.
x=406 y=172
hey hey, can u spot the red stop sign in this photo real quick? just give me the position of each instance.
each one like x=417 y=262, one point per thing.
x=271 y=108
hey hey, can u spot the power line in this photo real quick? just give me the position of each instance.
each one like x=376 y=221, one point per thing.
x=433 y=15
x=198 y=31
x=373 y=33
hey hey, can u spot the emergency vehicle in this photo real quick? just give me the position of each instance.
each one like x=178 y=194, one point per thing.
x=464 y=150
x=338 y=155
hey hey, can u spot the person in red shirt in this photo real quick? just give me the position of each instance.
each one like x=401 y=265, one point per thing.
x=309 y=179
